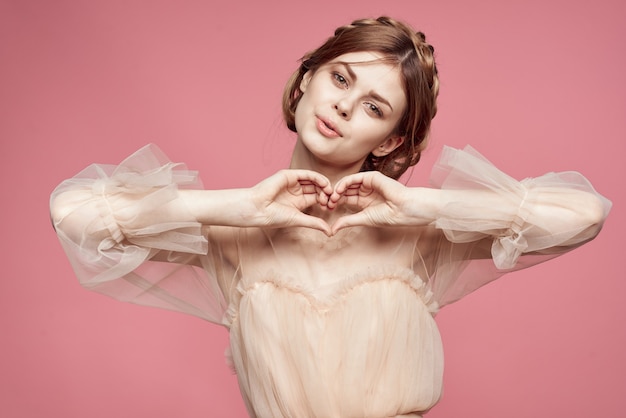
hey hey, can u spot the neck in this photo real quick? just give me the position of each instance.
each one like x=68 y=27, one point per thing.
x=302 y=159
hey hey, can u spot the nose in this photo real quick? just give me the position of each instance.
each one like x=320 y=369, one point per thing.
x=343 y=108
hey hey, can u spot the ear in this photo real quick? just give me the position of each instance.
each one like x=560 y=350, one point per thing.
x=388 y=146
x=305 y=81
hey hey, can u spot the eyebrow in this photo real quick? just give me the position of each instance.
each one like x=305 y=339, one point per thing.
x=372 y=93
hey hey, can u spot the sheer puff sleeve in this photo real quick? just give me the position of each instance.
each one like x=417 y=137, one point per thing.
x=526 y=222
x=115 y=225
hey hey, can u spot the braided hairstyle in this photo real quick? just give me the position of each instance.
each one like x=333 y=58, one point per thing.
x=401 y=45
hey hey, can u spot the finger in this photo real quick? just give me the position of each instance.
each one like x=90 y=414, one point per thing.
x=322 y=198
x=340 y=191
x=355 y=184
x=336 y=199
x=308 y=187
x=349 y=182
x=349 y=195
x=332 y=204
x=312 y=177
x=312 y=194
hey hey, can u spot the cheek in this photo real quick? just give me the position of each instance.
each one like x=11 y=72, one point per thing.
x=306 y=106
x=298 y=114
x=374 y=130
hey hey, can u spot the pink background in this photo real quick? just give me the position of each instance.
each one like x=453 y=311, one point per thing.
x=534 y=85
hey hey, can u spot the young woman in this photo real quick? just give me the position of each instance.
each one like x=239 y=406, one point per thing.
x=327 y=274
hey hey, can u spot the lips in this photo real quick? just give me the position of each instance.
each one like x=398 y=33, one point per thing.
x=327 y=128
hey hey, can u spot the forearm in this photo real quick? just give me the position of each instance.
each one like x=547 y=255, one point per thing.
x=546 y=208
x=544 y=219
x=230 y=207
x=81 y=212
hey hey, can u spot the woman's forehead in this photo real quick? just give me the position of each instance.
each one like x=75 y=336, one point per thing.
x=362 y=57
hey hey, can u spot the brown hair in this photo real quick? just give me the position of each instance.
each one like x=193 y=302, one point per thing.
x=400 y=44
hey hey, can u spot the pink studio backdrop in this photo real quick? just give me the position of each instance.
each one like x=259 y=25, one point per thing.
x=534 y=85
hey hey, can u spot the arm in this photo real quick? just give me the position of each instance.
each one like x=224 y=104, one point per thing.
x=120 y=212
x=117 y=224
x=275 y=202
x=149 y=201
x=552 y=213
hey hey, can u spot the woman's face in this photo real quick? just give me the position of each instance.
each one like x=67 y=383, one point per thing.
x=349 y=108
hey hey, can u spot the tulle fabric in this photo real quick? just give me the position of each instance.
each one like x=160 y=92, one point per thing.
x=122 y=265
x=516 y=239
x=469 y=170
x=319 y=327
x=373 y=333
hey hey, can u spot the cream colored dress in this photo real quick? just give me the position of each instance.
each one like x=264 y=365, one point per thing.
x=319 y=327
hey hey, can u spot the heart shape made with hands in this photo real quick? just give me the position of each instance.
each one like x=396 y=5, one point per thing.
x=371 y=198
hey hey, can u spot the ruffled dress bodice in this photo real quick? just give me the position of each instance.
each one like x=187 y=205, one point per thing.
x=347 y=353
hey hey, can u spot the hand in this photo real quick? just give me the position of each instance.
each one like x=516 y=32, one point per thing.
x=379 y=199
x=281 y=198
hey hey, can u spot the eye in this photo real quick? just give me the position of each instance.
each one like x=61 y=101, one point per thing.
x=340 y=80
x=371 y=107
